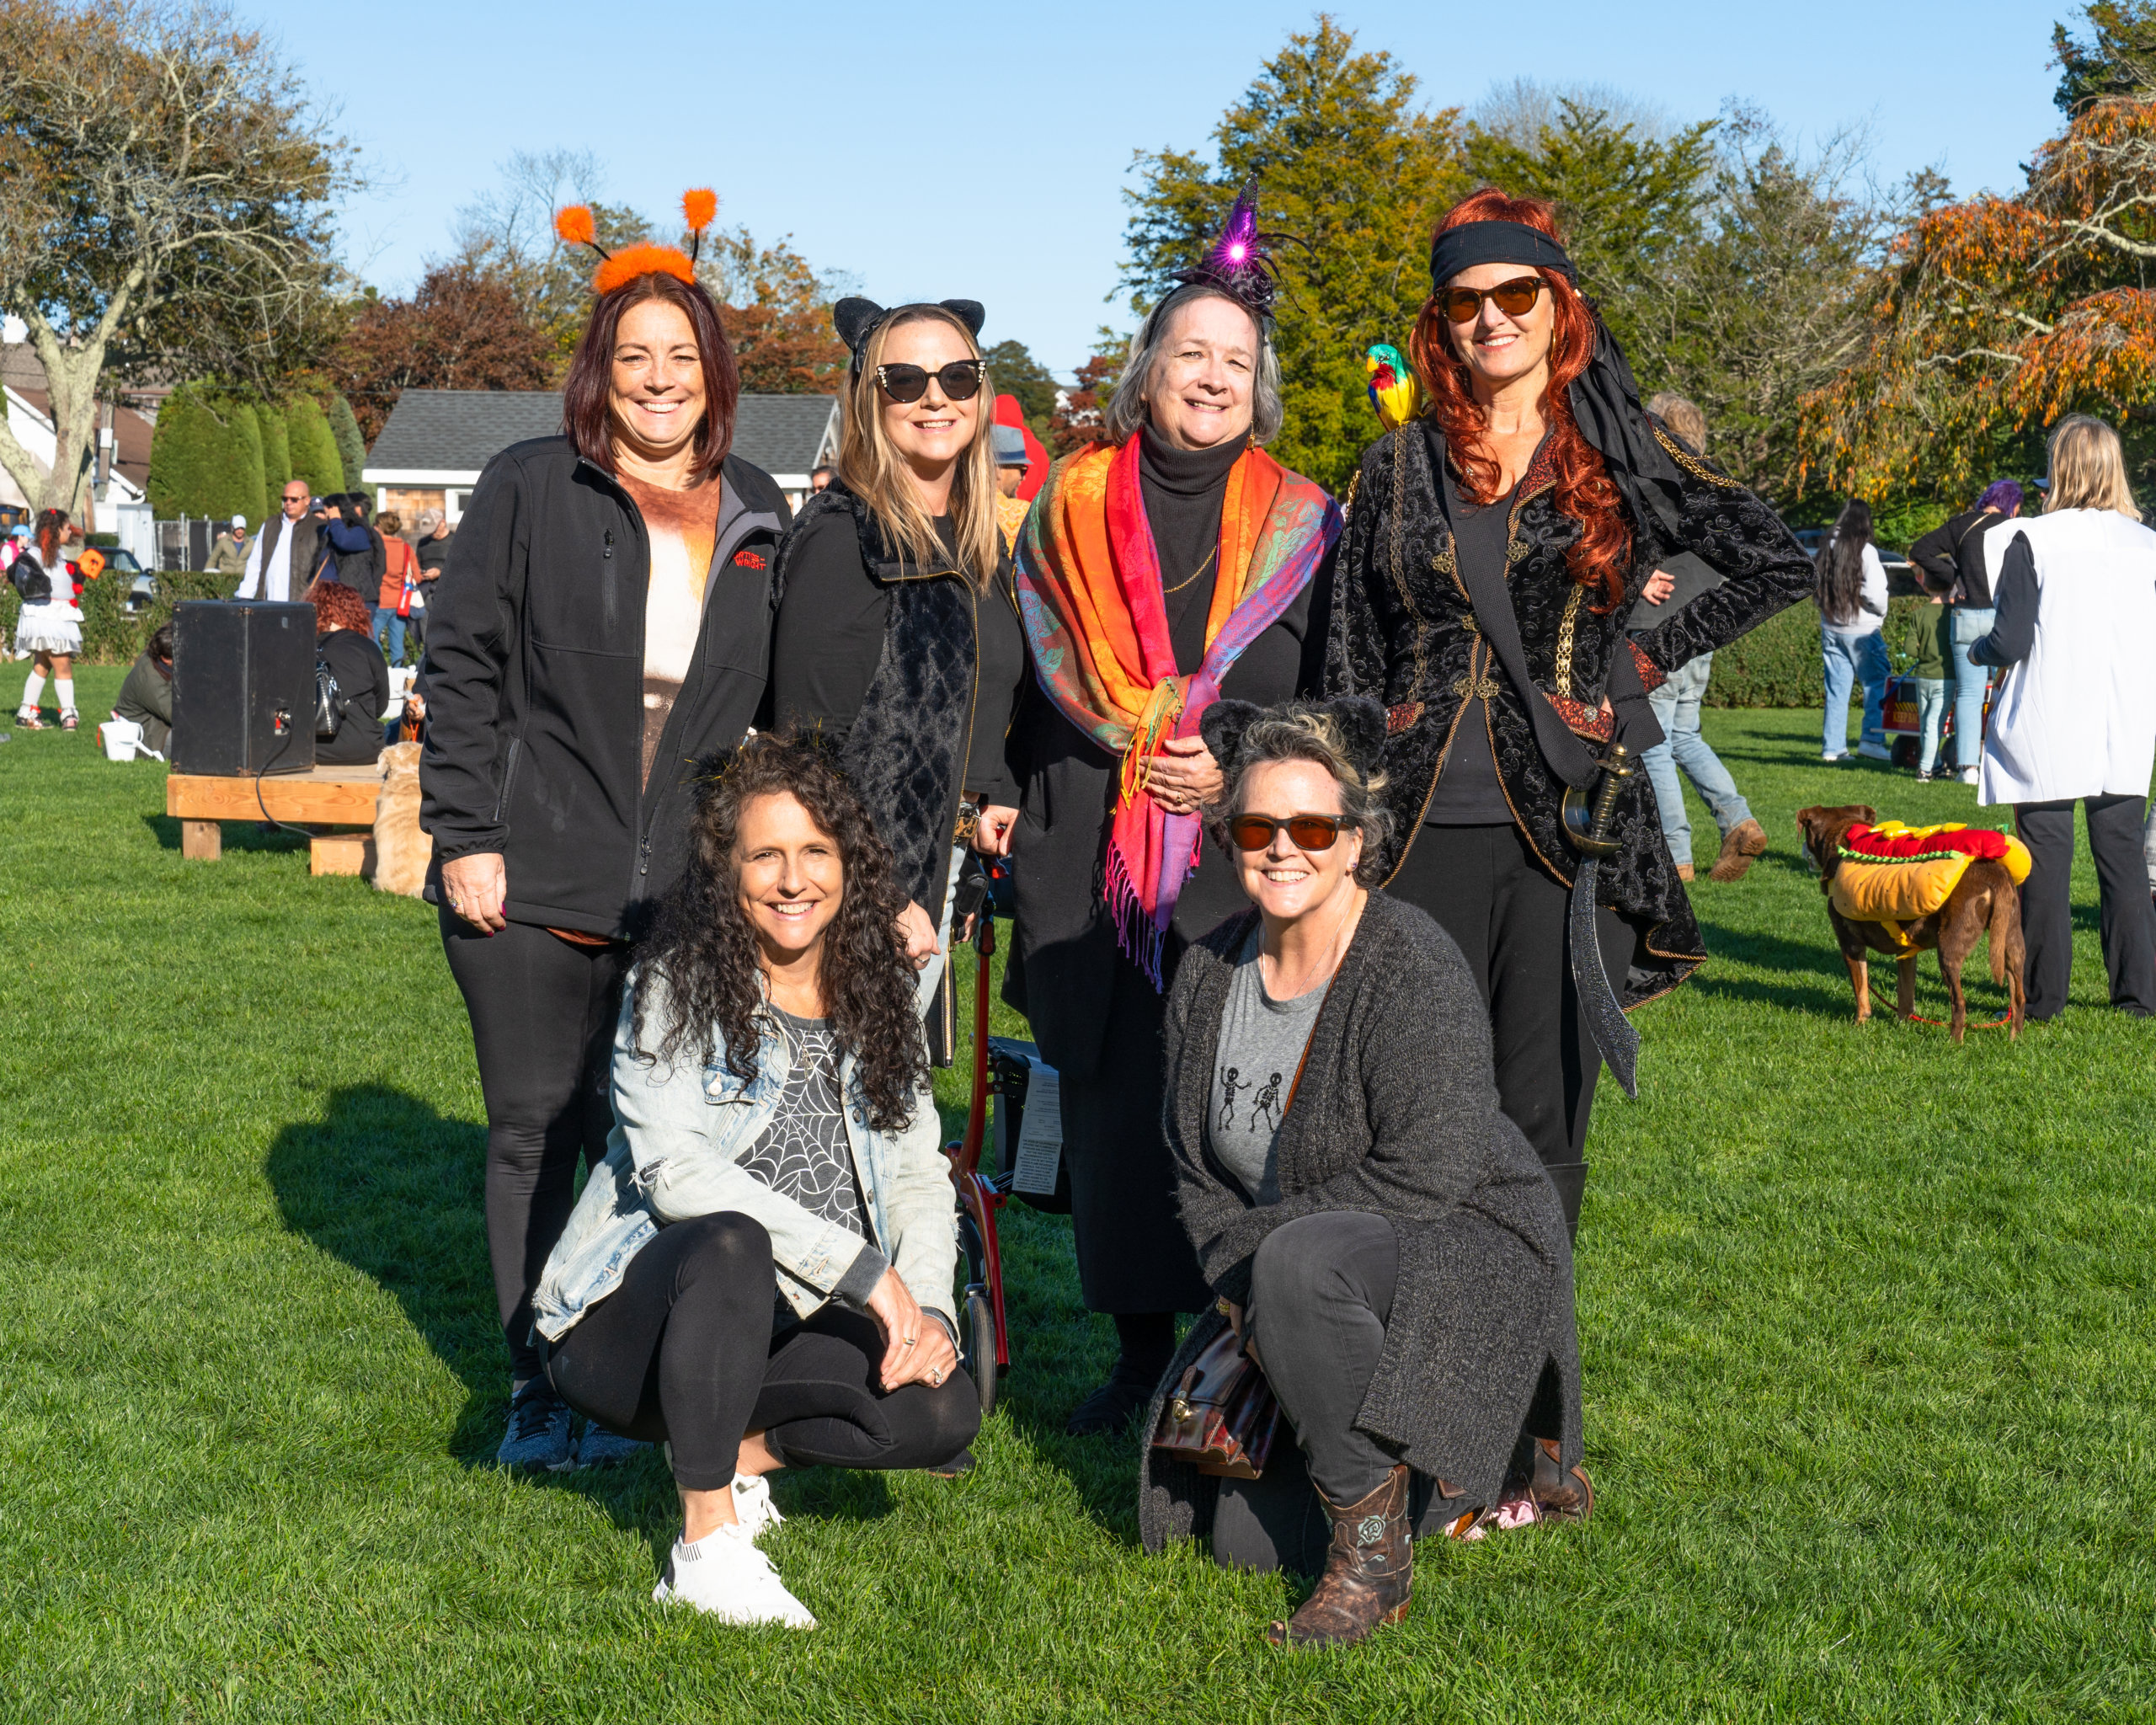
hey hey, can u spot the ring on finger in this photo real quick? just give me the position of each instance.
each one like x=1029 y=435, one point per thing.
x=909 y=1340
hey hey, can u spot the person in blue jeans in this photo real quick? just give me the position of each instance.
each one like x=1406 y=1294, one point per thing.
x=1852 y=599
x=1954 y=556
x=1676 y=702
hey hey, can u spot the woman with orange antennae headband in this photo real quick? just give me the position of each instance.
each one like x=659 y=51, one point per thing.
x=603 y=621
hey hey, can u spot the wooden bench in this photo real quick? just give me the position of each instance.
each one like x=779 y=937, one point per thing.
x=324 y=796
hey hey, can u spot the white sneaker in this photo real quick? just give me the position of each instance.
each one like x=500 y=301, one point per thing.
x=752 y=1503
x=1970 y=775
x=1875 y=752
x=724 y=1575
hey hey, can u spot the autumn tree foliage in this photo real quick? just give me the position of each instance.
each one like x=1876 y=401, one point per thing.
x=461 y=328
x=1994 y=316
x=777 y=311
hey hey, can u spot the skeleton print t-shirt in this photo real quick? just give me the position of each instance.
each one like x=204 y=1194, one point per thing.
x=804 y=1154
x=1261 y=1043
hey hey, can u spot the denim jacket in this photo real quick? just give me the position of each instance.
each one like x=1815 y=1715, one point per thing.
x=680 y=1133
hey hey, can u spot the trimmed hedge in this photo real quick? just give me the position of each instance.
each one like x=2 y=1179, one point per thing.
x=313 y=448
x=351 y=447
x=205 y=458
x=276 y=457
x=109 y=635
x=1778 y=663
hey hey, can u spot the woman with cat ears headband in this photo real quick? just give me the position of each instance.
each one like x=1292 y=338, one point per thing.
x=897 y=636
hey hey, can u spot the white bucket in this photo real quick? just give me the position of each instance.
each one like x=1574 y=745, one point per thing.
x=121 y=738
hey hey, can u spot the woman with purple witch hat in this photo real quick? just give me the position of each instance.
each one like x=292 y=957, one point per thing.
x=1168 y=566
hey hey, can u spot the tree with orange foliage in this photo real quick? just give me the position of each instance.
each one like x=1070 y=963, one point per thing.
x=1994 y=316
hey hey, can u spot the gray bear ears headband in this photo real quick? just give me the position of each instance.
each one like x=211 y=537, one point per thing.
x=857 y=319
x=1359 y=721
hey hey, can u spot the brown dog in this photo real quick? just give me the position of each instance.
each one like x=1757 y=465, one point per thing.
x=1984 y=900
x=402 y=851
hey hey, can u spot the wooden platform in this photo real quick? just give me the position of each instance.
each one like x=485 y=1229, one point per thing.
x=324 y=797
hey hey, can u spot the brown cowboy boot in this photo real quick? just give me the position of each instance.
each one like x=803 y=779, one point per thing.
x=1565 y=1493
x=1744 y=843
x=1369 y=1569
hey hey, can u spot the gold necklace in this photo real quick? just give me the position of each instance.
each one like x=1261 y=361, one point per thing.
x=1189 y=579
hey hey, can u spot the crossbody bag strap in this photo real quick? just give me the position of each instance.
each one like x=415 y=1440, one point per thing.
x=1568 y=756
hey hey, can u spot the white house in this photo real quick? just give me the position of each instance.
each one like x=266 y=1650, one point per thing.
x=430 y=453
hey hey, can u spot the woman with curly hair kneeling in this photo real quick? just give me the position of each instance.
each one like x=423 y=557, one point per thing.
x=760 y=1272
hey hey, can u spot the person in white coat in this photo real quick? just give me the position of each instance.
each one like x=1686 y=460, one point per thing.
x=2074 y=720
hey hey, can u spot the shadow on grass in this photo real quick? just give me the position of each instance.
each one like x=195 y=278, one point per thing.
x=397 y=1191
x=238 y=834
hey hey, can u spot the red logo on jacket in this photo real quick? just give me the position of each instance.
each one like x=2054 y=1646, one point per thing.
x=750 y=560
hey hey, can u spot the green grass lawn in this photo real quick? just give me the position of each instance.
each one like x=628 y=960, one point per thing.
x=1865 y=1321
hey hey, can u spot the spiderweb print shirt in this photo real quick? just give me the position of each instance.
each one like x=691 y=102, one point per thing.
x=804 y=1154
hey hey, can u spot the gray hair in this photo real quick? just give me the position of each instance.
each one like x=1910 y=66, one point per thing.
x=1126 y=408
x=1301 y=732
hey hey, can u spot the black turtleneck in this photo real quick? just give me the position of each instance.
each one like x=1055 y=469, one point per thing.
x=1182 y=489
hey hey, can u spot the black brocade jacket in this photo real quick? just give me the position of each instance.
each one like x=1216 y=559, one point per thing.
x=1404 y=633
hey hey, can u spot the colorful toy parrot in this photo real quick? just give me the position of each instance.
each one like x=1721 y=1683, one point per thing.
x=1396 y=391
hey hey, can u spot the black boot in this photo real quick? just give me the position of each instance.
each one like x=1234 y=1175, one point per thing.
x=1148 y=1342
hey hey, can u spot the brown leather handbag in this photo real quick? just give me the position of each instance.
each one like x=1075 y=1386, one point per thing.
x=1222 y=1417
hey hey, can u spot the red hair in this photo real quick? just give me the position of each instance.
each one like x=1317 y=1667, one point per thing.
x=588 y=394
x=337 y=606
x=51 y=528
x=1601 y=557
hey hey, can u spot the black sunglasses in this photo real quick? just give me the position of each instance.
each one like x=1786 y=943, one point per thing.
x=961 y=380
x=1305 y=832
x=1514 y=298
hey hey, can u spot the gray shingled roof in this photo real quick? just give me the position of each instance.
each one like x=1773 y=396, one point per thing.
x=461 y=430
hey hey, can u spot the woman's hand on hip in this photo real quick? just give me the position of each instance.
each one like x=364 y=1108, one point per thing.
x=475 y=888
x=992 y=831
x=1183 y=775
x=1660 y=586
x=918 y=934
x=916 y=1347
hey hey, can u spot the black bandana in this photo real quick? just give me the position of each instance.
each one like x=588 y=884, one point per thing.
x=1473 y=242
x=1604 y=398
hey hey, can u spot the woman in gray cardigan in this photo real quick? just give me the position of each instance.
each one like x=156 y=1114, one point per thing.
x=1377 y=1230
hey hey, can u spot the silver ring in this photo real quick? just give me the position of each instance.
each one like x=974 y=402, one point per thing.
x=909 y=1340
x=935 y=1375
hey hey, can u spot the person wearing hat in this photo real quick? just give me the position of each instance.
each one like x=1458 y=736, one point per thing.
x=1011 y=462
x=897 y=636
x=603 y=623
x=228 y=556
x=1171 y=564
x=1499 y=544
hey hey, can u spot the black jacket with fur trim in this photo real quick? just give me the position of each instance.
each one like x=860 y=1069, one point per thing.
x=1404 y=632
x=534 y=681
x=912 y=673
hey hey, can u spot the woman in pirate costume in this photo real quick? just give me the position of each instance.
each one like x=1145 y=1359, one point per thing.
x=1496 y=545
x=1168 y=566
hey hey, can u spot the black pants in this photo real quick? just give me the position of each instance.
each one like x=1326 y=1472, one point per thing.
x=543 y=1014
x=1321 y=1291
x=683 y=1352
x=1133 y=1253
x=2128 y=931
x=1485 y=888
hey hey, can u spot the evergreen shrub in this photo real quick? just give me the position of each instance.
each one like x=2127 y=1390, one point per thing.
x=313 y=449
x=351 y=447
x=276 y=457
x=1778 y=663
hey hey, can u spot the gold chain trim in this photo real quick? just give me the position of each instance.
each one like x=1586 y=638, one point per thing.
x=1692 y=464
x=1565 y=640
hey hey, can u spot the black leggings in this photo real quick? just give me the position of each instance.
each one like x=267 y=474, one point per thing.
x=682 y=1352
x=543 y=1014
x=2047 y=903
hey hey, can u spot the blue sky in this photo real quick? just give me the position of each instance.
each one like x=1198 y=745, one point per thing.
x=985 y=153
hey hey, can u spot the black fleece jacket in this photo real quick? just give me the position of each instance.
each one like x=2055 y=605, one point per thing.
x=534 y=676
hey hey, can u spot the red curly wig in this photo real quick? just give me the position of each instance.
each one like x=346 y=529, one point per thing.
x=1601 y=557
x=338 y=606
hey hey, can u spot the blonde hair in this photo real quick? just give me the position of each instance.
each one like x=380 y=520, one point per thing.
x=876 y=473
x=1682 y=416
x=2088 y=468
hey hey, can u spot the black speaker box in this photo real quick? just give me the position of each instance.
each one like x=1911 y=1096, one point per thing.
x=242 y=688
